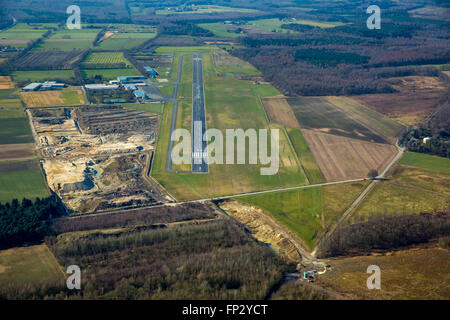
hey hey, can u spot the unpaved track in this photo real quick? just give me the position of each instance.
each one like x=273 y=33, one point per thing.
x=356 y=203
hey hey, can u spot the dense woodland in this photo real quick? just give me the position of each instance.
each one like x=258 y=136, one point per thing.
x=27 y=221
x=344 y=60
x=385 y=233
x=214 y=260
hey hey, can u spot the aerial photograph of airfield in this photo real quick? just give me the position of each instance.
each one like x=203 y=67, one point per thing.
x=87 y=175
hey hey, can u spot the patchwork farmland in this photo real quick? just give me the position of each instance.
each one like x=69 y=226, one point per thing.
x=87 y=175
x=318 y=114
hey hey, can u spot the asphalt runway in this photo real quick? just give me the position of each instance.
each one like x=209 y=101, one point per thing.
x=199 y=157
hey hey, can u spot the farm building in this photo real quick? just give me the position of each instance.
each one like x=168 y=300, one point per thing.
x=140 y=94
x=48 y=85
x=134 y=79
x=151 y=72
x=52 y=85
x=32 y=87
x=101 y=87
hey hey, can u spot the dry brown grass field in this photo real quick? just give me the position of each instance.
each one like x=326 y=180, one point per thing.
x=6 y=83
x=342 y=158
x=280 y=112
x=67 y=96
x=417 y=273
x=417 y=98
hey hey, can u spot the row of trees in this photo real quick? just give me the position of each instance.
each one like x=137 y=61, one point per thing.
x=147 y=216
x=385 y=234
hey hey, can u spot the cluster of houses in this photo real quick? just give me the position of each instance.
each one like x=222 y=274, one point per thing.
x=44 y=86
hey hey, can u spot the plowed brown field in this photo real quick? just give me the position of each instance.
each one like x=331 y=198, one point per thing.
x=342 y=158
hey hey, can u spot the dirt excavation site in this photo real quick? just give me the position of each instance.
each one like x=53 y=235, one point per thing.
x=96 y=157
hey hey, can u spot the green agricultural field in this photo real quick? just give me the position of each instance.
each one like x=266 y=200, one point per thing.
x=15 y=130
x=307 y=212
x=389 y=199
x=10 y=104
x=319 y=113
x=21 y=32
x=84 y=34
x=265 y=90
x=109 y=74
x=184 y=121
x=106 y=58
x=375 y=121
x=36 y=76
x=21 y=180
x=426 y=161
x=157 y=108
x=409 y=190
x=230 y=103
x=428 y=180
x=309 y=164
x=28 y=264
x=219 y=29
x=299 y=210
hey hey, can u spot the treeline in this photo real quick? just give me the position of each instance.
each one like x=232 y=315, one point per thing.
x=27 y=221
x=385 y=234
x=147 y=216
x=184 y=29
x=297 y=27
x=99 y=36
x=215 y=260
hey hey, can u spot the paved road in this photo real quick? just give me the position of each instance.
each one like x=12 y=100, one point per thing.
x=199 y=157
x=174 y=116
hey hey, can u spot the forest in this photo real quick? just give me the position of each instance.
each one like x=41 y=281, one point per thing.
x=345 y=60
x=213 y=260
x=27 y=221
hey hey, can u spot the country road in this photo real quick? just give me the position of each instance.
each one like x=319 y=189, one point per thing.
x=214 y=198
x=355 y=204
